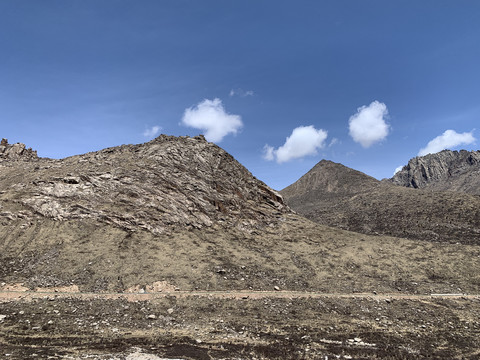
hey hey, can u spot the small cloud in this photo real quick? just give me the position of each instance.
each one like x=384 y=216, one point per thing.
x=268 y=152
x=210 y=116
x=152 y=132
x=449 y=139
x=241 y=92
x=368 y=125
x=398 y=169
x=333 y=142
x=304 y=141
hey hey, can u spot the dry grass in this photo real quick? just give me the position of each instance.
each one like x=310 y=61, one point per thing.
x=298 y=255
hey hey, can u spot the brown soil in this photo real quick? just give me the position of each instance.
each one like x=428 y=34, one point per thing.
x=243 y=325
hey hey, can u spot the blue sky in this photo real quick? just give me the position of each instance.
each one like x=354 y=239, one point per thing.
x=365 y=83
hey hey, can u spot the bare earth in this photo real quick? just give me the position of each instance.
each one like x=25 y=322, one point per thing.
x=61 y=323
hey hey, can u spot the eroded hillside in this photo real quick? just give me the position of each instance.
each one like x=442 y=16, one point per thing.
x=334 y=195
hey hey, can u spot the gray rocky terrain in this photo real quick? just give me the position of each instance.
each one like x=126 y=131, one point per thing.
x=443 y=171
x=166 y=183
x=17 y=151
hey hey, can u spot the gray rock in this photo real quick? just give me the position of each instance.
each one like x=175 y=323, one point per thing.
x=445 y=171
x=167 y=183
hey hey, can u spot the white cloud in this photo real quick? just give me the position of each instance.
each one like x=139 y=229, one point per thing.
x=398 y=169
x=449 y=139
x=304 y=141
x=268 y=152
x=152 y=132
x=241 y=92
x=368 y=125
x=210 y=116
x=334 y=141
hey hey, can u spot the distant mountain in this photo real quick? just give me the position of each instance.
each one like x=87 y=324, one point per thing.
x=334 y=195
x=322 y=186
x=445 y=171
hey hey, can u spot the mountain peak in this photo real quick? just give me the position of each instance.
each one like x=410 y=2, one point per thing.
x=331 y=177
x=446 y=170
x=166 y=183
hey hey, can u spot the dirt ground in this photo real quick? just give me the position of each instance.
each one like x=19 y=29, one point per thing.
x=237 y=325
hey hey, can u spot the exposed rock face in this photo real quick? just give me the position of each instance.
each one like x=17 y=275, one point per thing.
x=446 y=171
x=16 y=151
x=334 y=195
x=157 y=186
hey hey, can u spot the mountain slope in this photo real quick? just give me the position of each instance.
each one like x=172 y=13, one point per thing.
x=359 y=203
x=181 y=212
x=323 y=185
x=444 y=171
x=157 y=186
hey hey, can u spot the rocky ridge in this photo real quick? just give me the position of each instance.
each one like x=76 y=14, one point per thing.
x=166 y=183
x=443 y=171
x=16 y=151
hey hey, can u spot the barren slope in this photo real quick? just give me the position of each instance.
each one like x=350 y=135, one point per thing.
x=335 y=195
x=180 y=212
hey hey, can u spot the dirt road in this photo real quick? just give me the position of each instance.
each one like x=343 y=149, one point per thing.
x=6 y=295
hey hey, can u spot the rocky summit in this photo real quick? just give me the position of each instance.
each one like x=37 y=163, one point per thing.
x=16 y=151
x=447 y=170
x=166 y=183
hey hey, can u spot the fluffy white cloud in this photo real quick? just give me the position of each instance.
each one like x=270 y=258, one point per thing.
x=368 y=125
x=304 y=141
x=449 y=139
x=152 y=132
x=210 y=116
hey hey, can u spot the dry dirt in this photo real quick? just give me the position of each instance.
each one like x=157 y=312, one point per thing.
x=237 y=325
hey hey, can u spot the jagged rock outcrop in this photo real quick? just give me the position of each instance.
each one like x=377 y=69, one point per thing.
x=166 y=183
x=334 y=195
x=445 y=171
x=16 y=151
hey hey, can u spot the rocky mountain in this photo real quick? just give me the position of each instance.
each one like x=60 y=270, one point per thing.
x=445 y=171
x=180 y=212
x=327 y=181
x=166 y=183
x=334 y=195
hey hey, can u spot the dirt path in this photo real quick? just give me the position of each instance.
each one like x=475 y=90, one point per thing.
x=9 y=295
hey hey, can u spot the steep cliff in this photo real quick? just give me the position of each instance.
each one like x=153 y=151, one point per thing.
x=446 y=171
